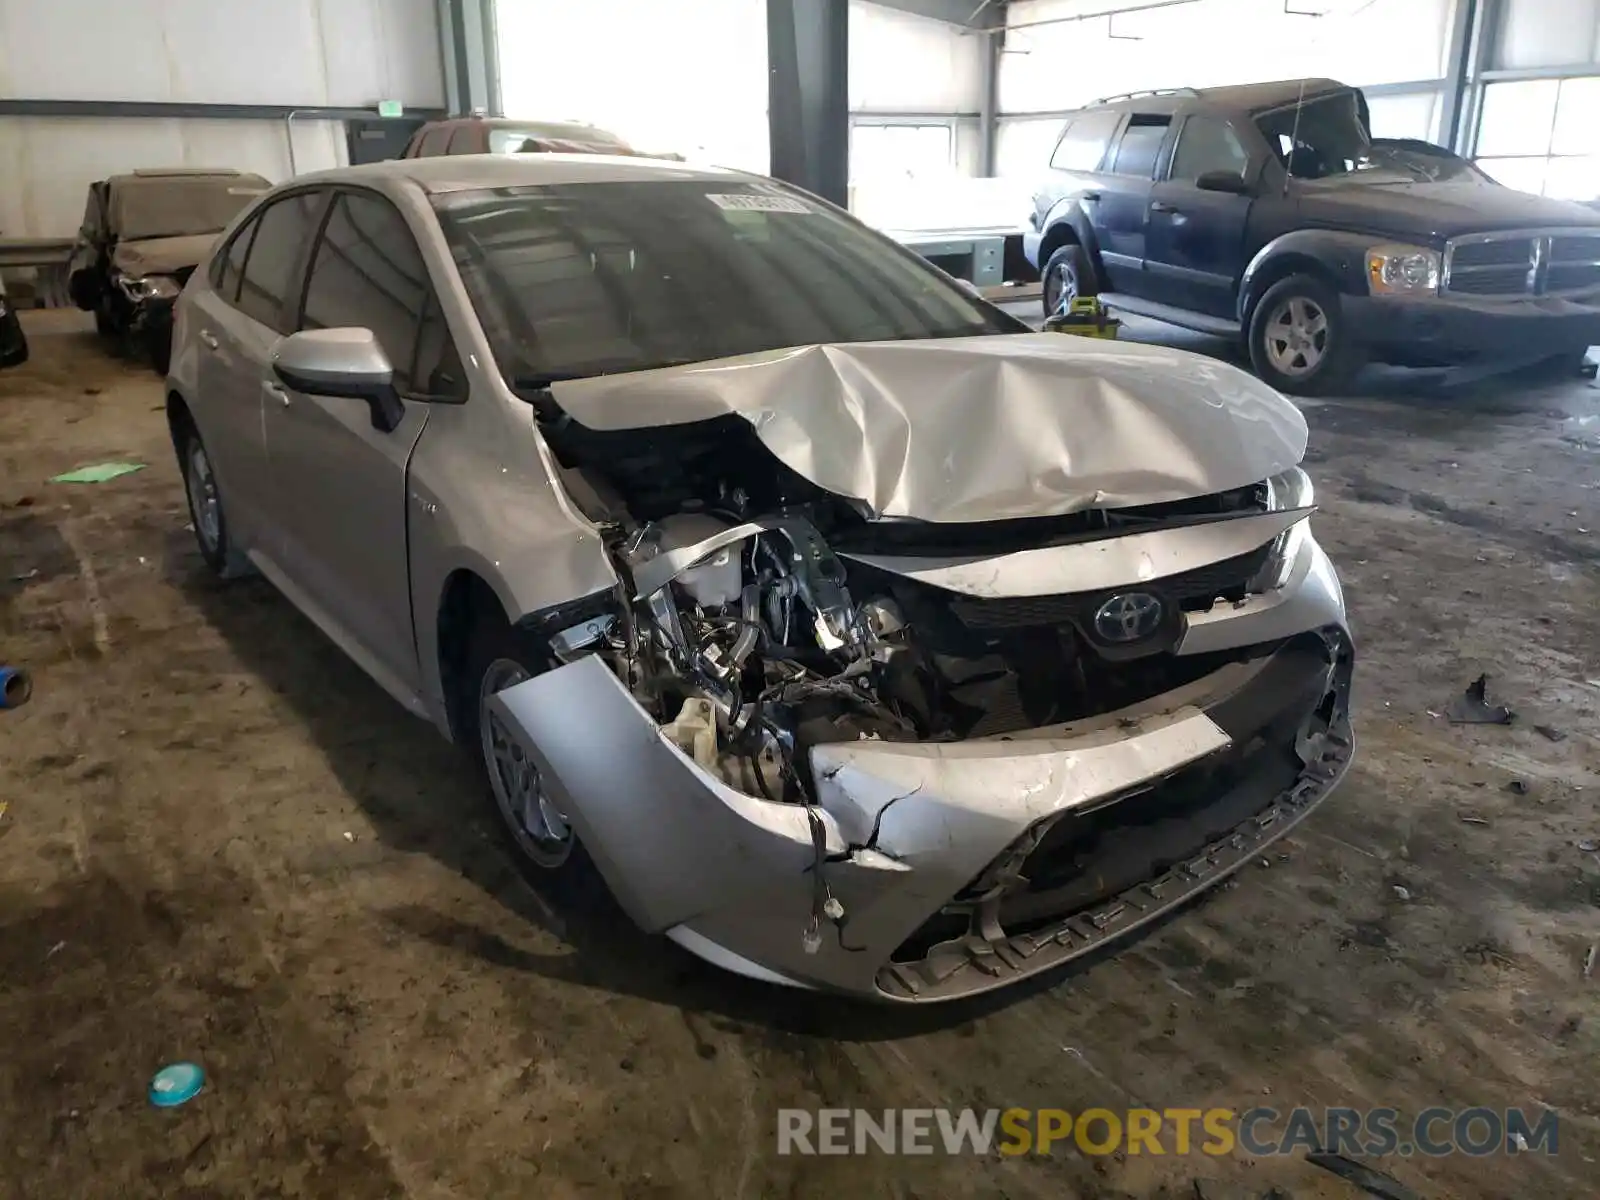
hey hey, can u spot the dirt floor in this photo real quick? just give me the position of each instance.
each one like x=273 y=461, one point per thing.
x=224 y=844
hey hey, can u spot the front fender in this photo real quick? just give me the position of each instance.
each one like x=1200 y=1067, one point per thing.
x=1333 y=254
x=511 y=526
x=1069 y=211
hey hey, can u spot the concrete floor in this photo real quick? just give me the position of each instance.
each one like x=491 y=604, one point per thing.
x=224 y=844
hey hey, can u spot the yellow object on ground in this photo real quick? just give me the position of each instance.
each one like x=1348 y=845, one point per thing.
x=1087 y=318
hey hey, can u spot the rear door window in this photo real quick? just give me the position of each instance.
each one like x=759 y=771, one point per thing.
x=368 y=273
x=467 y=139
x=1140 y=145
x=1084 y=144
x=283 y=232
x=434 y=141
x=228 y=267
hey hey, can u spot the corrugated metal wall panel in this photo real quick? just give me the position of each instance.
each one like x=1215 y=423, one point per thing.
x=47 y=164
x=337 y=53
x=311 y=52
x=903 y=63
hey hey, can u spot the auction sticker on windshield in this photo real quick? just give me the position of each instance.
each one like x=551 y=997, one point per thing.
x=742 y=202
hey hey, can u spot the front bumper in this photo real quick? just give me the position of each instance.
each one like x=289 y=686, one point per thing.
x=13 y=343
x=959 y=867
x=1450 y=330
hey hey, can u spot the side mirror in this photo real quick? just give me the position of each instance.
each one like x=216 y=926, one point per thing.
x=1232 y=182
x=341 y=362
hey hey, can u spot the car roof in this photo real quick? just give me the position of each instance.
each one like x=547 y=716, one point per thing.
x=1242 y=97
x=445 y=173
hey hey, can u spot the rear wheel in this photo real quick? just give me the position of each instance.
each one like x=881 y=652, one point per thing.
x=205 y=507
x=538 y=832
x=1299 y=340
x=1066 y=276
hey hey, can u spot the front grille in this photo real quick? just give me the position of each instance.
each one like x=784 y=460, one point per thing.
x=1538 y=262
x=1191 y=591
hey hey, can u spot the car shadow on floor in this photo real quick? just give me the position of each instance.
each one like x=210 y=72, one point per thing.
x=424 y=796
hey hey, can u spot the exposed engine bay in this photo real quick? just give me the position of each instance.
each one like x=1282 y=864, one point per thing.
x=750 y=634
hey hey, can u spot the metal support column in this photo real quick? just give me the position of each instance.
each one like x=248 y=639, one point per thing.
x=808 y=98
x=989 y=102
x=471 y=57
x=1459 y=72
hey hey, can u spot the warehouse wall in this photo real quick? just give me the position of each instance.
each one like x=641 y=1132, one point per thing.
x=1051 y=67
x=287 y=52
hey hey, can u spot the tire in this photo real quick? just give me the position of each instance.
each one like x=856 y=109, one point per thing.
x=1069 y=264
x=206 y=514
x=497 y=657
x=1299 y=341
x=104 y=325
x=158 y=350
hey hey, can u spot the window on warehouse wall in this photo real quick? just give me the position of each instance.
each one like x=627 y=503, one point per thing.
x=1542 y=135
x=673 y=76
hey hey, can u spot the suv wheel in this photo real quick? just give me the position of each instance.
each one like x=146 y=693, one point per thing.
x=1067 y=274
x=1299 y=342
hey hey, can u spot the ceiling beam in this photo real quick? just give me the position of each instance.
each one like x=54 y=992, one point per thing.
x=968 y=14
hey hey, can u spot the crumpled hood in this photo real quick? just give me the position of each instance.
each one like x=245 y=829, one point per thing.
x=162 y=256
x=978 y=429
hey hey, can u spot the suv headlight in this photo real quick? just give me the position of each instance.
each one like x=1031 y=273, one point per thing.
x=1292 y=489
x=1403 y=271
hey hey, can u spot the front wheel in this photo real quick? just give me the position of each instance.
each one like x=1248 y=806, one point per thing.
x=1299 y=339
x=1067 y=275
x=537 y=830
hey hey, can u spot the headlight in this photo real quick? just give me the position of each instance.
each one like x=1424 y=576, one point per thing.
x=152 y=287
x=1292 y=489
x=1402 y=271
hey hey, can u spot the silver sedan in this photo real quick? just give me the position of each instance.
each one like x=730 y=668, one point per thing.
x=859 y=638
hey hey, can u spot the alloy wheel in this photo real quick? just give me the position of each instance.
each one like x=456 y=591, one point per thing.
x=541 y=830
x=1297 y=336
x=204 y=503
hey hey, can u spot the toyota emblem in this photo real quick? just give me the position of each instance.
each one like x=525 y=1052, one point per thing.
x=1129 y=617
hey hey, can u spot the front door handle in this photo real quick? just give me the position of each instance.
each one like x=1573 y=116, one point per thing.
x=277 y=393
x=1161 y=206
x=209 y=338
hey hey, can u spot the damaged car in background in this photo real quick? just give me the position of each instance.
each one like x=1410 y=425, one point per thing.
x=141 y=238
x=858 y=638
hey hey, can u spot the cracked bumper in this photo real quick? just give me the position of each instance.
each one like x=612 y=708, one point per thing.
x=960 y=867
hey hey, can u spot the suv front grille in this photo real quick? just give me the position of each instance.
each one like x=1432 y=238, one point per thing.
x=1533 y=262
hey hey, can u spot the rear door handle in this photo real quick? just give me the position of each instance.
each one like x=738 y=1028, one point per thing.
x=209 y=338
x=1091 y=195
x=1162 y=206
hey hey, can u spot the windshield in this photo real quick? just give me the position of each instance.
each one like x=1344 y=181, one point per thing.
x=598 y=278
x=1330 y=141
x=161 y=206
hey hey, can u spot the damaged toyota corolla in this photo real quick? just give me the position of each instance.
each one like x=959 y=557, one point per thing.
x=857 y=637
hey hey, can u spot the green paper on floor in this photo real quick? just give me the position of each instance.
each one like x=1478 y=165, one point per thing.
x=98 y=473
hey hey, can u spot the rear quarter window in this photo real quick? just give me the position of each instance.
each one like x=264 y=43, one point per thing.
x=1084 y=143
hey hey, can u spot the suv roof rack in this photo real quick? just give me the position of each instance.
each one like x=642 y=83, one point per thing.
x=1179 y=91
